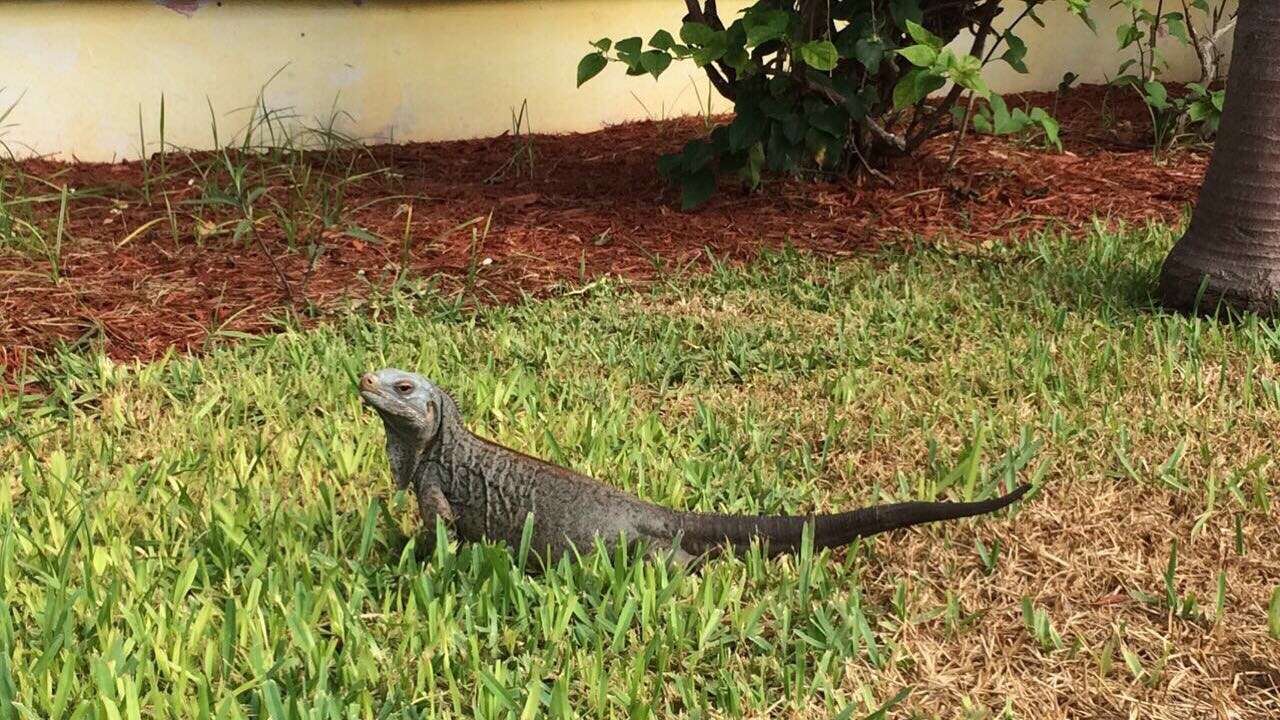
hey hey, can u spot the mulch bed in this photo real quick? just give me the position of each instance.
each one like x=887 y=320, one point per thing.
x=594 y=205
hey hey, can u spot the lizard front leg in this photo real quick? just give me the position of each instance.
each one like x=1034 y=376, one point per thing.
x=433 y=507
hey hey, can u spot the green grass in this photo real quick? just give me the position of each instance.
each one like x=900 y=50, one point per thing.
x=218 y=537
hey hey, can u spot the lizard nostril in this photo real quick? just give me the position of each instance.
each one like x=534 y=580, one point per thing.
x=368 y=381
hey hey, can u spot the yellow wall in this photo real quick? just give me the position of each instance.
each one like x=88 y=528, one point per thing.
x=412 y=70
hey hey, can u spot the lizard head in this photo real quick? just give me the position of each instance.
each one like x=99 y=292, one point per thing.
x=410 y=407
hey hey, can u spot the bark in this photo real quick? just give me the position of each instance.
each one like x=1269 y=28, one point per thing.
x=1232 y=246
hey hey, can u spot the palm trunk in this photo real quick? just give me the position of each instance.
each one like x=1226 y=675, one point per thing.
x=1230 y=255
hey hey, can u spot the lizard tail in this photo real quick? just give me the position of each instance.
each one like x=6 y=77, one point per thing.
x=710 y=533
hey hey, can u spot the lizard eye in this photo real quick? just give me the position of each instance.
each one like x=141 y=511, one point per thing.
x=404 y=387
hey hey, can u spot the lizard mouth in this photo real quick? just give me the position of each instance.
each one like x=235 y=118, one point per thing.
x=393 y=408
x=374 y=394
x=388 y=406
x=380 y=401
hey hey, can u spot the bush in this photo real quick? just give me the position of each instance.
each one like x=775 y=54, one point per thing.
x=1202 y=25
x=828 y=86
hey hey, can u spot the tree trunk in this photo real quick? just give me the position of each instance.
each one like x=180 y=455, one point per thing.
x=1232 y=247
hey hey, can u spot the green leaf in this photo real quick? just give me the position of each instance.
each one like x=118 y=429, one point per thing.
x=775 y=109
x=819 y=55
x=697 y=155
x=751 y=169
x=696 y=188
x=662 y=40
x=882 y=712
x=494 y=686
x=1002 y=121
x=694 y=33
x=747 y=129
x=1011 y=123
x=904 y=11
x=982 y=123
x=927 y=82
x=859 y=104
x=1079 y=8
x=966 y=71
x=655 y=61
x=603 y=44
x=590 y=66
x=706 y=55
x=869 y=52
x=919 y=55
x=915 y=86
x=1177 y=27
x=669 y=166
x=904 y=93
x=922 y=36
x=739 y=60
x=271 y=698
x=794 y=127
x=711 y=47
x=780 y=154
x=976 y=84
x=1157 y=95
x=630 y=46
x=1049 y=125
x=829 y=119
x=1016 y=53
x=765 y=25
x=1127 y=34
x=823 y=149
x=962 y=66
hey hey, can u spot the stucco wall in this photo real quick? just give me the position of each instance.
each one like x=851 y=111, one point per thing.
x=408 y=70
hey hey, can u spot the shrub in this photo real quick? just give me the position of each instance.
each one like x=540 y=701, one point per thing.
x=1199 y=24
x=828 y=86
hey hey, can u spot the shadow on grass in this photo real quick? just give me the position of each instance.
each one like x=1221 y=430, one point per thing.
x=1108 y=273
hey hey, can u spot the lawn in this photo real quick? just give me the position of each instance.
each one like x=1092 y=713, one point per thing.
x=218 y=536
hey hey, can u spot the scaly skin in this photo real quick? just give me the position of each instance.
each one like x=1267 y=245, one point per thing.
x=492 y=490
x=487 y=492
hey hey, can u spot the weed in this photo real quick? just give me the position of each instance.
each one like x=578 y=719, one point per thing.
x=524 y=155
x=1040 y=626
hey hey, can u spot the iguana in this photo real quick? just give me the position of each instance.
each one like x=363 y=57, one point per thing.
x=486 y=491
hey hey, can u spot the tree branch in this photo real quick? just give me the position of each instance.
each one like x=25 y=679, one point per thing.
x=1151 y=41
x=721 y=76
x=986 y=16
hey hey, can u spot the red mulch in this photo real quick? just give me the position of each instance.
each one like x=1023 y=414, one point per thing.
x=594 y=205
